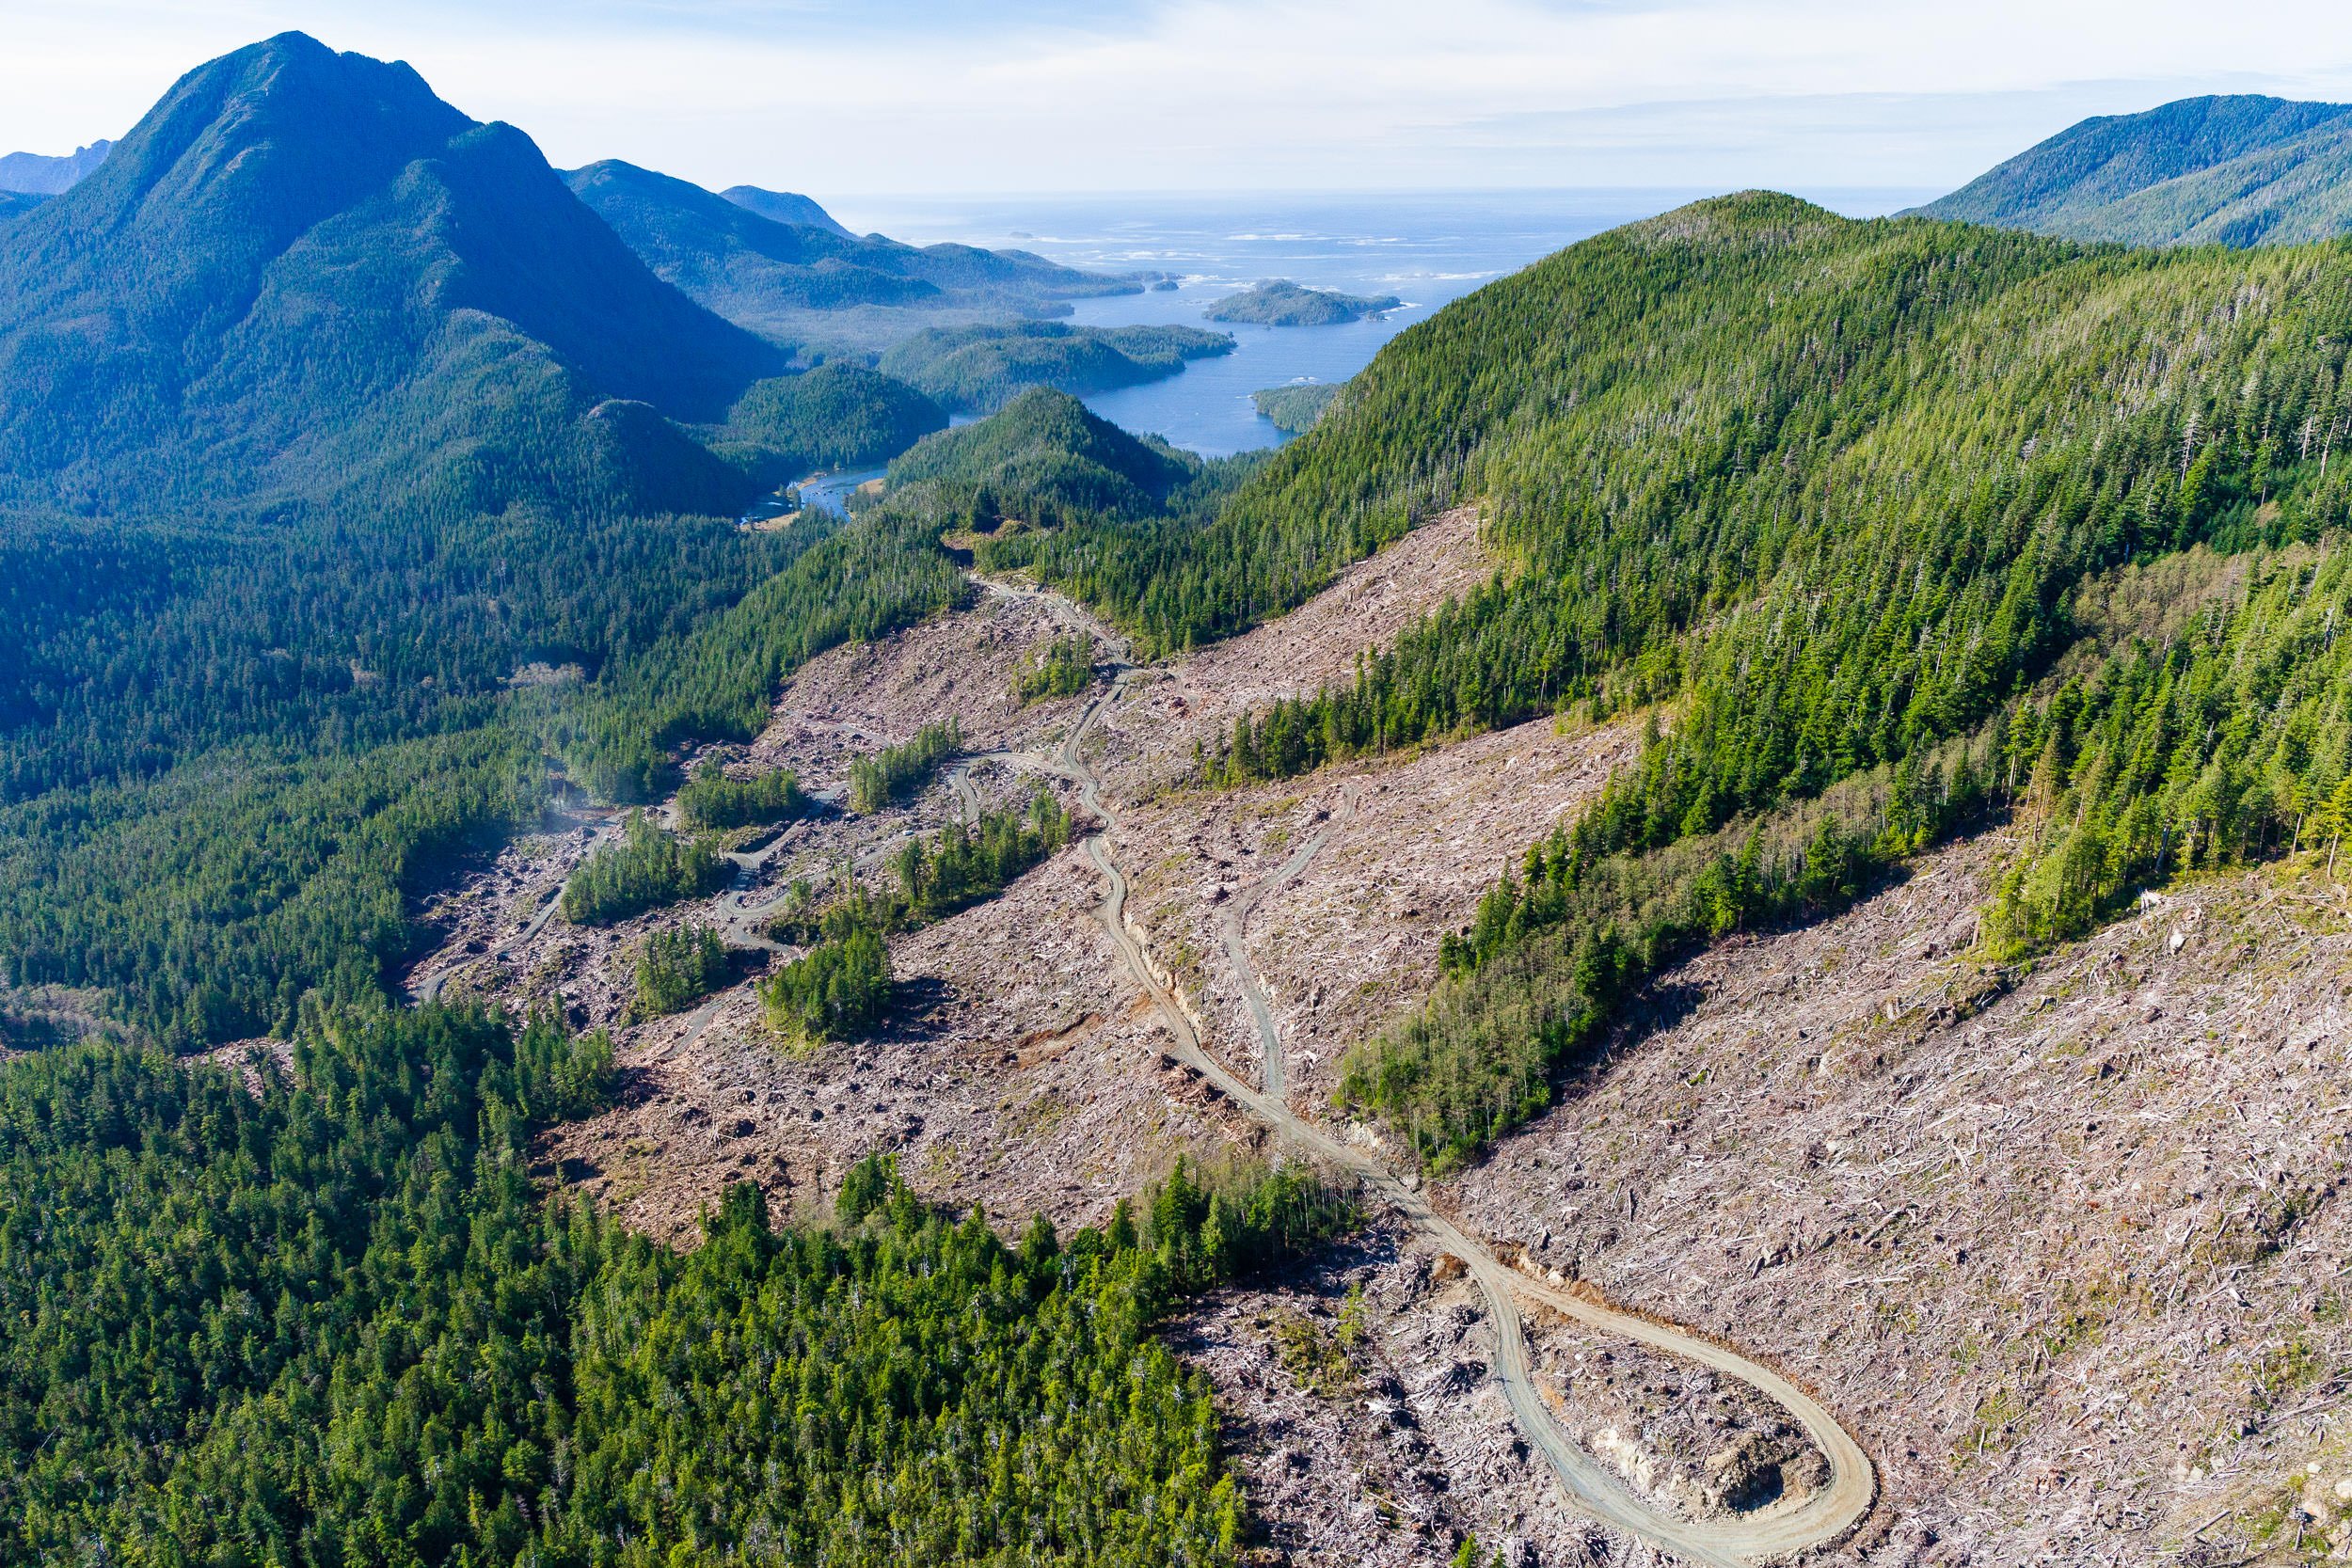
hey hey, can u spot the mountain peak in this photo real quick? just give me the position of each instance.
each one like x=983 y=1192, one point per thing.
x=290 y=239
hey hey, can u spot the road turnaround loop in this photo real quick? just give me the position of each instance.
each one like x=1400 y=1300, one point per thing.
x=1778 y=1530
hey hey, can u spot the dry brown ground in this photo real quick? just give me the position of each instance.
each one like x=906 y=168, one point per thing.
x=2068 y=1256
x=1027 y=1074
x=2064 y=1252
x=1352 y=940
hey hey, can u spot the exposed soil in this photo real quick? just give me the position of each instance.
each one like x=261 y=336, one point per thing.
x=2065 y=1247
x=1352 y=941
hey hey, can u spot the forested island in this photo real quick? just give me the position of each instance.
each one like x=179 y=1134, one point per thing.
x=981 y=368
x=1282 y=302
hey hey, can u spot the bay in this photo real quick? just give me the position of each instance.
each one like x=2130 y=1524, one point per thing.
x=1427 y=248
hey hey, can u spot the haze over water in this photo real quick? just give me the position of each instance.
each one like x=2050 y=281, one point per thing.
x=1426 y=248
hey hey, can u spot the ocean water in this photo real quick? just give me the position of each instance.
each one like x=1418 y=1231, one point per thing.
x=1426 y=248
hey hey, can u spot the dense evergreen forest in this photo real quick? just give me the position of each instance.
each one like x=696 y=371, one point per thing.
x=275 y=647
x=1279 y=302
x=2240 y=169
x=886 y=777
x=677 y=968
x=644 y=869
x=335 y=1321
x=712 y=798
x=1838 y=498
x=982 y=368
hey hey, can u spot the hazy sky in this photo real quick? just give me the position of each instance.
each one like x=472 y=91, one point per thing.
x=836 y=97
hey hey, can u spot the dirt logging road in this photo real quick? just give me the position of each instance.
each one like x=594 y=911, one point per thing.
x=1778 y=1529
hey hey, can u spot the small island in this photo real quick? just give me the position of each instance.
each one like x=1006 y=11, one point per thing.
x=1296 y=409
x=1282 y=302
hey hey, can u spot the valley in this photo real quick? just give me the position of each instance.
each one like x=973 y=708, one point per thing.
x=1082 y=1028
x=1707 y=925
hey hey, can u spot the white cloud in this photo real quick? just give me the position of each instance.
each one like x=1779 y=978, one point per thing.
x=1210 y=94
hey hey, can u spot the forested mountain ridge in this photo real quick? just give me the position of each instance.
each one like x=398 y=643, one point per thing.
x=159 y=322
x=1839 y=496
x=783 y=276
x=1047 y=449
x=786 y=207
x=326 y=416
x=2225 y=170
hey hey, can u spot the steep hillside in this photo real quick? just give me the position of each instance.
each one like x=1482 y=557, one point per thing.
x=753 y=270
x=36 y=175
x=340 y=448
x=786 y=207
x=2234 y=171
x=157 y=320
x=838 y=415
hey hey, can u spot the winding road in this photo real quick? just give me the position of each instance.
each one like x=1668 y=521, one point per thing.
x=1778 y=1531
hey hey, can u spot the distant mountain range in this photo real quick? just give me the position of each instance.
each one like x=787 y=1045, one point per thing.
x=32 y=174
x=781 y=266
x=2239 y=170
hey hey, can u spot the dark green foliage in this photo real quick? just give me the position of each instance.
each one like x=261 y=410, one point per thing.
x=645 y=870
x=982 y=368
x=1046 y=460
x=934 y=876
x=880 y=571
x=910 y=1389
x=326 y=1324
x=1544 y=971
x=1296 y=409
x=333 y=1323
x=1065 y=669
x=263 y=695
x=712 y=800
x=678 y=968
x=891 y=774
x=1853 y=526
x=839 y=988
x=160 y=342
x=1283 y=303
x=2228 y=170
x=2213 y=727
x=210 y=901
x=837 y=416
x=964 y=863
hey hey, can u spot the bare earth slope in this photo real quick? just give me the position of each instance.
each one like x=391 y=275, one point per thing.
x=2068 y=1255
x=2059 y=1248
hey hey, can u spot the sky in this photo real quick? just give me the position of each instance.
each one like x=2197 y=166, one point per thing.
x=845 y=97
